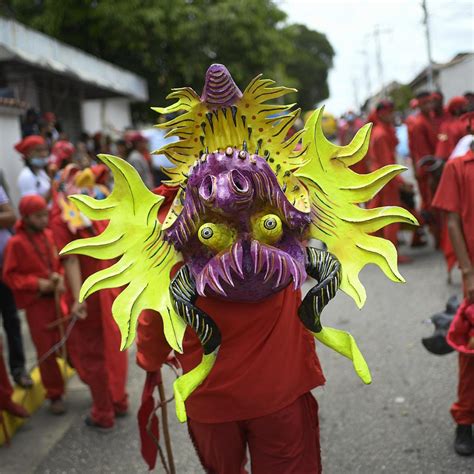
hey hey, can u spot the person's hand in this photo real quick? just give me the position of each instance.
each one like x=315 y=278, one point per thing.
x=45 y=287
x=79 y=310
x=58 y=280
x=468 y=281
x=470 y=344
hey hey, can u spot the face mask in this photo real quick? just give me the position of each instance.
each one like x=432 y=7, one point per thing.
x=38 y=162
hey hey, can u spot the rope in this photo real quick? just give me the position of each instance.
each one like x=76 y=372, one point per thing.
x=54 y=348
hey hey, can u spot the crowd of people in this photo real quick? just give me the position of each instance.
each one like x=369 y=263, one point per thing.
x=33 y=275
x=46 y=286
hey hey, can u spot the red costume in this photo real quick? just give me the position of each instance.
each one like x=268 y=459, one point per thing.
x=452 y=129
x=422 y=142
x=244 y=398
x=244 y=394
x=30 y=256
x=382 y=147
x=456 y=194
x=95 y=341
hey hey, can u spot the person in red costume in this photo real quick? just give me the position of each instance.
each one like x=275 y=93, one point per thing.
x=453 y=128
x=422 y=139
x=440 y=114
x=6 y=392
x=455 y=196
x=95 y=338
x=244 y=400
x=381 y=152
x=34 y=281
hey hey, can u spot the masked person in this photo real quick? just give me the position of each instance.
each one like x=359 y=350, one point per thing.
x=234 y=233
x=33 y=271
x=455 y=196
x=33 y=178
x=95 y=339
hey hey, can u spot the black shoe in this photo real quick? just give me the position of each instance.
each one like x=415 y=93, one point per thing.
x=22 y=378
x=464 y=444
x=97 y=426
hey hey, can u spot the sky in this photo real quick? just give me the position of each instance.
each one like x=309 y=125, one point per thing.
x=349 y=26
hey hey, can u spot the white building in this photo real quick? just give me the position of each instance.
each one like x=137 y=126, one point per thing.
x=85 y=92
x=452 y=78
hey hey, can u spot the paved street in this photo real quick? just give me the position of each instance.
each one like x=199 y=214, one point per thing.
x=399 y=424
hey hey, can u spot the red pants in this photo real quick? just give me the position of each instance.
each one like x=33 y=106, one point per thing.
x=284 y=442
x=463 y=410
x=6 y=389
x=99 y=363
x=39 y=315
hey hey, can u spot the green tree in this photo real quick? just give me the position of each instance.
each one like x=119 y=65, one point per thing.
x=401 y=97
x=172 y=42
x=309 y=64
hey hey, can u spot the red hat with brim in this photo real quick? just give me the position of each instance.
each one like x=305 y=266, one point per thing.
x=457 y=103
x=384 y=107
x=31 y=204
x=135 y=137
x=28 y=143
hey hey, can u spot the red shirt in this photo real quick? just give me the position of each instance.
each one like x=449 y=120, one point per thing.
x=455 y=193
x=28 y=257
x=450 y=132
x=267 y=358
x=422 y=137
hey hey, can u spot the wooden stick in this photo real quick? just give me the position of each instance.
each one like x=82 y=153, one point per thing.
x=60 y=319
x=166 y=429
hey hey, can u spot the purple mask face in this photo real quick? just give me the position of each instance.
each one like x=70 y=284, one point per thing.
x=238 y=233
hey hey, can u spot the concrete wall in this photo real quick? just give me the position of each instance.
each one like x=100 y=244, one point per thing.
x=458 y=78
x=111 y=116
x=10 y=161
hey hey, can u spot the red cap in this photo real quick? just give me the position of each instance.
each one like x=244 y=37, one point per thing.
x=101 y=173
x=49 y=116
x=135 y=137
x=29 y=142
x=436 y=96
x=31 y=204
x=62 y=150
x=457 y=103
x=384 y=107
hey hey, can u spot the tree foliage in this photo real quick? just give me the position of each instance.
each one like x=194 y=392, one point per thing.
x=172 y=42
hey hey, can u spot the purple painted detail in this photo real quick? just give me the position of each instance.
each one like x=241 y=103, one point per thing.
x=220 y=89
x=230 y=188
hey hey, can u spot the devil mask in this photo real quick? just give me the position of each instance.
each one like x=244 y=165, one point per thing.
x=248 y=200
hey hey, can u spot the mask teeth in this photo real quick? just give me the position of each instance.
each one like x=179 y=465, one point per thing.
x=200 y=284
x=236 y=262
x=295 y=273
x=224 y=268
x=281 y=270
x=256 y=253
x=270 y=263
x=213 y=281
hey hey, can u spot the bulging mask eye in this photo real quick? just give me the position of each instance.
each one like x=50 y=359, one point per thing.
x=216 y=236
x=267 y=228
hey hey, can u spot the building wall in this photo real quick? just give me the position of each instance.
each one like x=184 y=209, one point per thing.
x=458 y=78
x=111 y=116
x=10 y=161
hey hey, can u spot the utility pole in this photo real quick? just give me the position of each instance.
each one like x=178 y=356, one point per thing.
x=426 y=22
